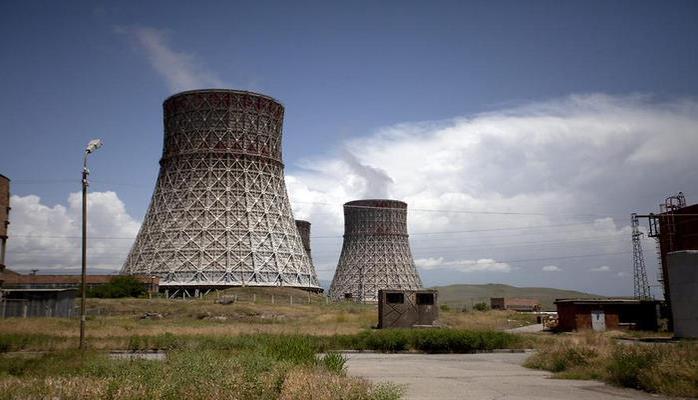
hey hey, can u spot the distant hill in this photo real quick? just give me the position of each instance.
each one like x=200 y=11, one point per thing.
x=460 y=295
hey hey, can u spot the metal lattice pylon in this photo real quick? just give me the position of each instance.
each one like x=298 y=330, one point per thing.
x=220 y=214
x=376 y=251
x=641 y=288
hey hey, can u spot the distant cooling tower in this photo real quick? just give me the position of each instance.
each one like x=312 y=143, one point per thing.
x=376 y=251
x=304 y=231
x=220 y=215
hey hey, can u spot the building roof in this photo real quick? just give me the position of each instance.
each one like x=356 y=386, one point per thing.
x=602 y=301
x=13 y=278
x=22 y=290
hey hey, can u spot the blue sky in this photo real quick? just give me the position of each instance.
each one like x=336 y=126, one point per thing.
x=352 y=74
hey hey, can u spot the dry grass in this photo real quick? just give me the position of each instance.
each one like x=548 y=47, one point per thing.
x=668 y=368
x=266 y=368
x=312 y=385
x=492 y=319
x=111 y=322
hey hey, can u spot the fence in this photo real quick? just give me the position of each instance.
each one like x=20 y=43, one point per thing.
x=24 y=308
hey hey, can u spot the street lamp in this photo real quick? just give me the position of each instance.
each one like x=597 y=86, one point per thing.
x=92 y=146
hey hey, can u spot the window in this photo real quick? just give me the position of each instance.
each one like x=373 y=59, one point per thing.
x=347 y=295
x=395 y=298
x=425 y=299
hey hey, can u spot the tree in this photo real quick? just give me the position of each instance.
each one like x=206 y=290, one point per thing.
x=119 y=286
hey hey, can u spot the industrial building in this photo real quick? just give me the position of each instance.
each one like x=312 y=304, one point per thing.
x=220 y=214
x=675 y=228
x=514 y=304
x=13 y=280
x=604 y=314
x=682 y=269
x=407 y=308
x=376 y=251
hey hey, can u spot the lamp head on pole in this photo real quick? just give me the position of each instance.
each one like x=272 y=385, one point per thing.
x=93 y=145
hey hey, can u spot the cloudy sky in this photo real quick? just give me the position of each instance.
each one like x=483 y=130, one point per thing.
x=521 y=134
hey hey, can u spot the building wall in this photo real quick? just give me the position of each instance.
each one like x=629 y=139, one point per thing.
x=683 y=275
x=577 y=316
x=497 y=303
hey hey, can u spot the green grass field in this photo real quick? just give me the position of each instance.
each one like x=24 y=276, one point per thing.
x=254 y=348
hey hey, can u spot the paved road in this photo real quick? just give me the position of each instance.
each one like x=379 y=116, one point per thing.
x=478 y=376
x=527 y=329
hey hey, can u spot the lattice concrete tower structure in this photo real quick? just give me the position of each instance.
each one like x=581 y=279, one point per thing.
x=304 y=231
x=220 y=214
x=376 y=251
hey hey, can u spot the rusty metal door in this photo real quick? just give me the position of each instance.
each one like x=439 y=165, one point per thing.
x=598 y=320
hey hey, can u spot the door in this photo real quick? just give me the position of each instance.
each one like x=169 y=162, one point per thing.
x=598 y=320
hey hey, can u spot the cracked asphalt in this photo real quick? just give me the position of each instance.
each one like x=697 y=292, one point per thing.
x=478 y=376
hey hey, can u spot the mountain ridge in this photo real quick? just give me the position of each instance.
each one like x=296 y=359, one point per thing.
x=465 y=295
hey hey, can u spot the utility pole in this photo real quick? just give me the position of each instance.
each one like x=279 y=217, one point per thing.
x=92 y=146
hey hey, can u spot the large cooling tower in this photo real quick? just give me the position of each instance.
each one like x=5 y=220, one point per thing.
x=220 y=215
x=376 y=251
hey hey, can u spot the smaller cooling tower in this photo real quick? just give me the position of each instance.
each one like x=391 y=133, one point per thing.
x=376 y=251
x=304 y=231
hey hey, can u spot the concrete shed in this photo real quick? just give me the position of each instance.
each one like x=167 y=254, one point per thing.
x=407 y=308
x=25 y=303
x=683 y=277
x=515 y=304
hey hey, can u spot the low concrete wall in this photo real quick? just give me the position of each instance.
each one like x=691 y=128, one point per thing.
x=683 y=278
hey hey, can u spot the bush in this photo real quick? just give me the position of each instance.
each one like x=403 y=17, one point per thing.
x=445 y=307
x=562 y=358
x=119 y=286
x=334 y=362
x=481 y=306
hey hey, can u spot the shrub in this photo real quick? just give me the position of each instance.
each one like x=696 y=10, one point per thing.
x=627 y=363
x=445 y=307
x=119 y=286
x=481 y=306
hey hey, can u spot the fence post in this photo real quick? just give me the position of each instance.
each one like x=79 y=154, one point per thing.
x=308 y=297
x=290 y=299
x=24 y=310
x=254 y=297
x=272 y=299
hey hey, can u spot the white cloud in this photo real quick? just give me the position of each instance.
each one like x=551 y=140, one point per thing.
x=463 y=265
x=45 y=238
x=603 y=268
x=622 y=274
x=551 y=268
x=180 y=70
x=571 y=169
